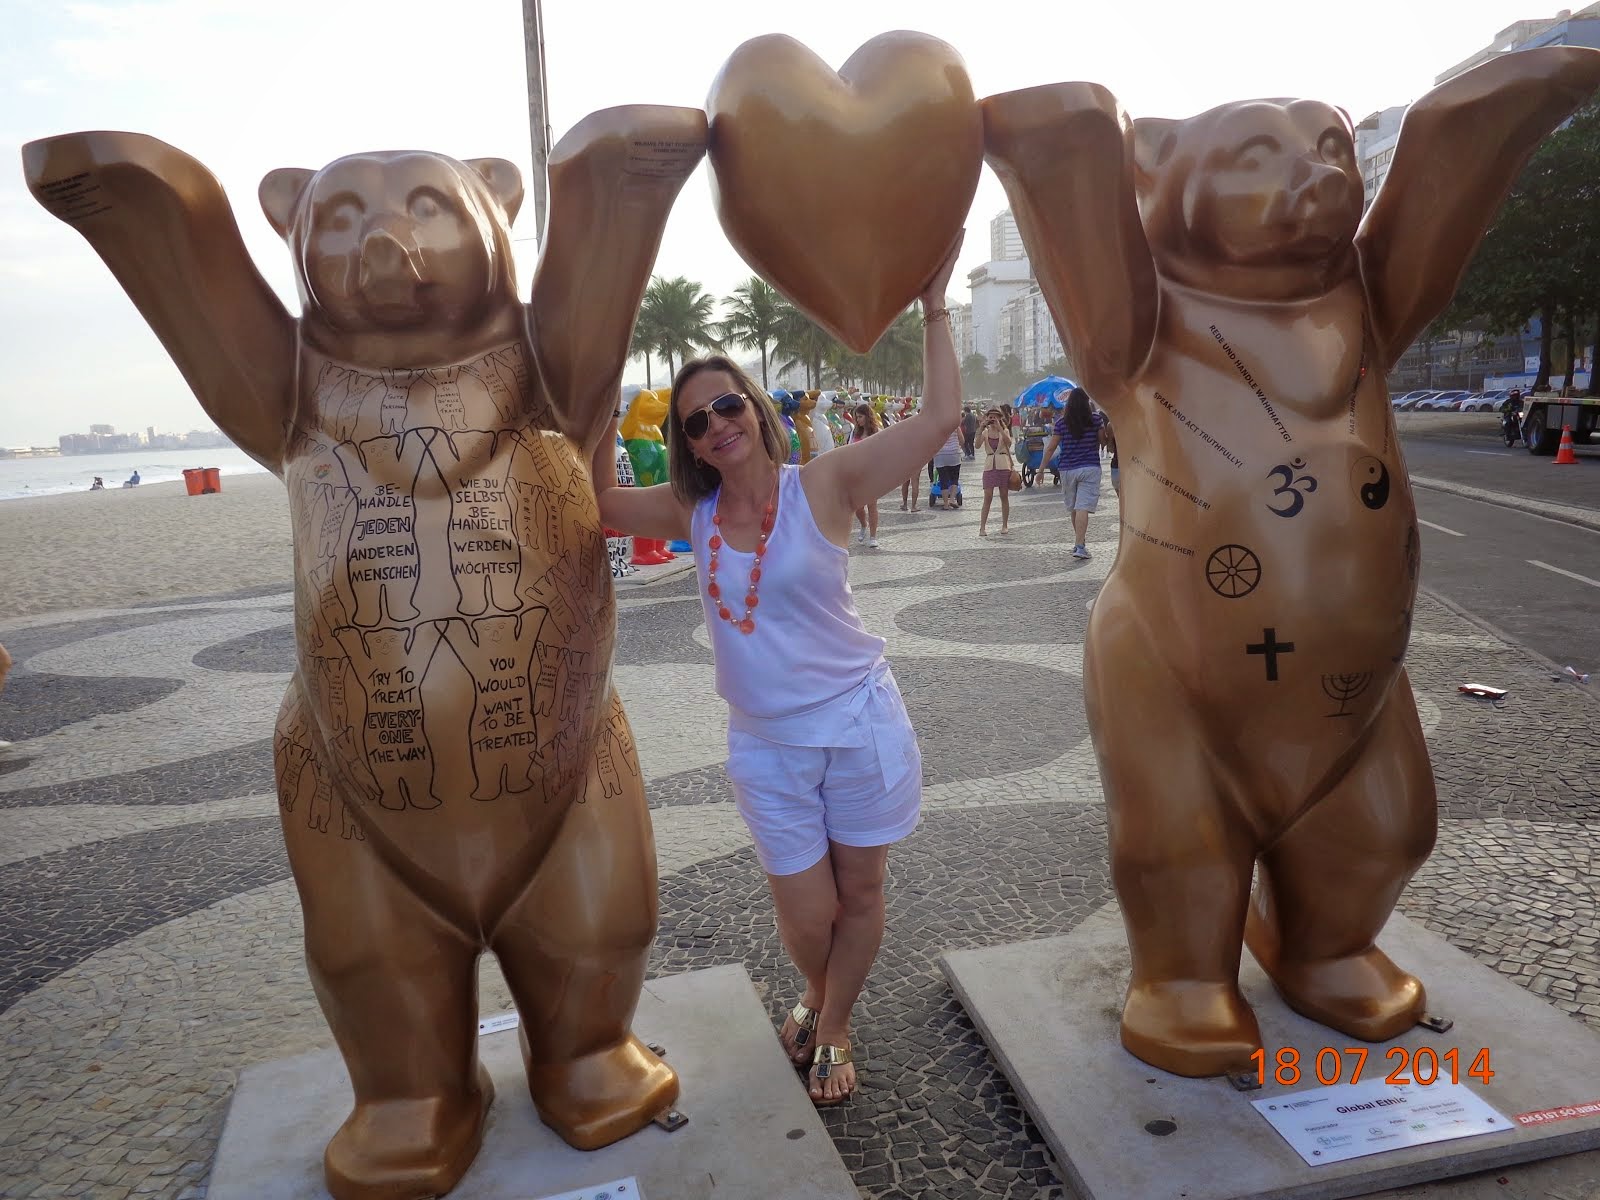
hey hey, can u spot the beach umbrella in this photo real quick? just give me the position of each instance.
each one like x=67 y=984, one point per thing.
x=1046 y=393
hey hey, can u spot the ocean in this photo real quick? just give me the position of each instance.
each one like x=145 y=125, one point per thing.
x=20 y=477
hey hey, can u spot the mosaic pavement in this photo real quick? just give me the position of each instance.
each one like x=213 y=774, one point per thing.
x=149 y=931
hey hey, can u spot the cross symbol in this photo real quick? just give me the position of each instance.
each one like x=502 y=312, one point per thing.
x=1271 y=647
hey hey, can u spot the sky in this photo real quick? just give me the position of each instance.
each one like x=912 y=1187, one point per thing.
x=247 y=87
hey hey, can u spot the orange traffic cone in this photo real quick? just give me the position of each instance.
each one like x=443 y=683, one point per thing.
x=1564 y=455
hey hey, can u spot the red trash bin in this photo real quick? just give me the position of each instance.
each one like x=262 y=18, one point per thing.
x=194 y=481
x=213 y=478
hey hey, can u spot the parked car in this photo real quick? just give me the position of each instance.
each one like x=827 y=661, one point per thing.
x=1406 y=400
x=1440 y=401
x=1414 y=399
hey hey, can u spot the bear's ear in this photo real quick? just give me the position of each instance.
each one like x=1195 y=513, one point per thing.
x=1154 y=139
x=504 y=180
x=280 y=193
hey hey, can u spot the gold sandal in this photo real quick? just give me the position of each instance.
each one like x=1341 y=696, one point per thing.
x=827 y=1058
x=805 y=1020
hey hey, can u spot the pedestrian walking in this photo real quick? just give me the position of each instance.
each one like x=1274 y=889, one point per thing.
x=824 y=763
x=948 y=463
x=1079 y=433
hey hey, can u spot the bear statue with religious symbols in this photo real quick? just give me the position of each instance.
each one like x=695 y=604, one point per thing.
x=454 y=767
x=1230 y=308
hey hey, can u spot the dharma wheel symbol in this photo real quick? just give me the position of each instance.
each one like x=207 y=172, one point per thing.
x=1233 y=571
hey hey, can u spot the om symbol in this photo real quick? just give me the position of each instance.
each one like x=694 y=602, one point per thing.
x=1294 y=489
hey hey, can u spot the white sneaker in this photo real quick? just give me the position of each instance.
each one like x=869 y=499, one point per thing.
x=872 y=543
x=861 y=537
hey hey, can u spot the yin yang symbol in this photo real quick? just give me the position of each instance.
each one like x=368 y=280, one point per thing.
x=1371 y=478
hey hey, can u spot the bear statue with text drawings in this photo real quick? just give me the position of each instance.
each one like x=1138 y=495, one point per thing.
x=448 y=750
x=1228 y=305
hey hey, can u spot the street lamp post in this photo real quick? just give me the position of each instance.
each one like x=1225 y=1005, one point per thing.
x=538 y=122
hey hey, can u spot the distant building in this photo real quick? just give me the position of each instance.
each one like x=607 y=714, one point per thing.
x=1375 y=142
x=993 y=285
x=1028 y=331
x=101 y=439
x=1566 y=28
x=1005 y=240
x=961 y=330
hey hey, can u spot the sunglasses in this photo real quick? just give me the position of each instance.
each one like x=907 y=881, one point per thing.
x=727 y=406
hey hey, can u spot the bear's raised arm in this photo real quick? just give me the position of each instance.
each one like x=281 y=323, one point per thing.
x=613 y=179
x=1065 y=153
x=1459 y=152
x=161 y=222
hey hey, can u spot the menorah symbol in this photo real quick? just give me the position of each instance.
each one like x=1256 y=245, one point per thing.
x=1345 y=688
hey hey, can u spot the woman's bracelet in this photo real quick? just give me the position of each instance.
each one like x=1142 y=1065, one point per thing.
x=937 y=314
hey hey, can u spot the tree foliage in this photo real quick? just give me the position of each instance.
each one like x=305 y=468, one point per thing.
x=1541 y=255
x=676 y=319
x=752 y=317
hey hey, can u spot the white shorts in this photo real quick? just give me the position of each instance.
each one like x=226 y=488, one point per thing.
x=796 y=799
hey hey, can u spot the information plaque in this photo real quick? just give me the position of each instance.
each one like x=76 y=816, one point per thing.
x=1350 y=1120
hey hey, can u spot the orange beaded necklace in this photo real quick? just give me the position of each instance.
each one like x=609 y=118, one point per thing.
x=713 y=589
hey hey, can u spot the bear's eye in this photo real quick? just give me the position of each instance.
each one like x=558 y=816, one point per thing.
x=341 y=218
x=1331 y=147
x=424 y=204
x=1247 y=158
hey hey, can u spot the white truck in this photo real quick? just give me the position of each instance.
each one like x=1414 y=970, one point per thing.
x=1544 y=414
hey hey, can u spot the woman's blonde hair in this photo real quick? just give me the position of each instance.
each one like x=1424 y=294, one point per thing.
x=691 y=479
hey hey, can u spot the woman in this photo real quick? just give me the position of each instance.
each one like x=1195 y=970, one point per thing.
x=824 y=763
x=864 y=423
x=948 y=462
x=911 y=490
x=994 y=440
x=1079 y=432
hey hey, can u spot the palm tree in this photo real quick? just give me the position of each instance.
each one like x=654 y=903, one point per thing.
x=895 y=362
x=802 y=342
x=752 y=318
x=676 y=317
x=646 y=337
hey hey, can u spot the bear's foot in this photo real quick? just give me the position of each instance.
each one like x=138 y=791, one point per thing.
x=407 y=1149
x=1190 y=1027
x=1362 y=995
x=602 y=1097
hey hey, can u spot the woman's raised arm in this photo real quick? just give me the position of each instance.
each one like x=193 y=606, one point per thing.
x=867 y=469
x=650 y=512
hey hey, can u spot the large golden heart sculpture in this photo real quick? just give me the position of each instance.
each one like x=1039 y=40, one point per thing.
x=845 y=190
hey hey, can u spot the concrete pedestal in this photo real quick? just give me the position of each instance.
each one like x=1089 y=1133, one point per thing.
x=752 y=1130
x=1123 y=1130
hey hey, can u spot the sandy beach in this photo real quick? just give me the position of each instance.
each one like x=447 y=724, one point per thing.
x=122 y=546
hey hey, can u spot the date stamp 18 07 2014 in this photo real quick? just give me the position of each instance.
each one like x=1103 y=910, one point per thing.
x=1422 y=1065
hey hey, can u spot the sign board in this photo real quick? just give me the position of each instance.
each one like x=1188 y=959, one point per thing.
x=1530 y=362
x=1351 y=1120
x=617 y=1189
x=497 y=1022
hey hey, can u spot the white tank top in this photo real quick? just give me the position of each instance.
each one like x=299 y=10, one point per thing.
x=809 y=646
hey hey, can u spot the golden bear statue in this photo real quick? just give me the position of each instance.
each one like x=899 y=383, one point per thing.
x=455 y=771
x=1233 y=312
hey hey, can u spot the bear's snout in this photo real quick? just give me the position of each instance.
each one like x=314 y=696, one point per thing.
x=385 y=259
